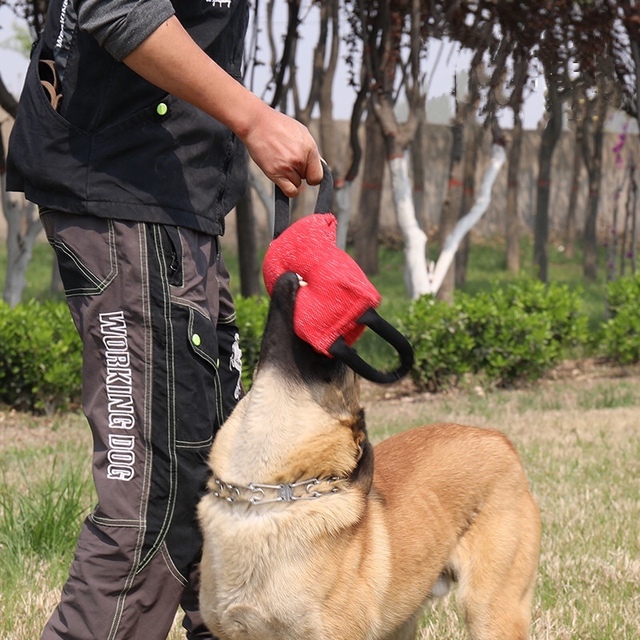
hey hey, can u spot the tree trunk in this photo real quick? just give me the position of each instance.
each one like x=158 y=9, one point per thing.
x=366 y=238
x=342 y=210
x=549 y=139
x=570 y=229
x=593 y=161
x=513 y=184
x=415 y=239
x=473 y=140
x=330 y=15
x=417 y=164
x=451 y=205
x=462 y=228
x=614 y=239
x=23 y=227
x=250 y=284
x=633 y=200
x=7 y=101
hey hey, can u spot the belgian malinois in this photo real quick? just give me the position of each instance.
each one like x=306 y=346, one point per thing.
x=310 y=533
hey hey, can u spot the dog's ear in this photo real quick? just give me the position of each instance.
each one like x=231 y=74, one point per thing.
x=362 y=476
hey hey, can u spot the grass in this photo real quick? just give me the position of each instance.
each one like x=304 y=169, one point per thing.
x=45 y=491
x=579 y=438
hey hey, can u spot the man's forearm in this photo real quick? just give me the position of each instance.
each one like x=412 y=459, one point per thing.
x=171 y=60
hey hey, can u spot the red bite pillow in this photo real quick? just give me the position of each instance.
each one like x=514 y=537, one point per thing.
x=337 y=292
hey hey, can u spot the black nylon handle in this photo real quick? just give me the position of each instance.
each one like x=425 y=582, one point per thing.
x=281 y=213
x=342 y=351
x=323 y=203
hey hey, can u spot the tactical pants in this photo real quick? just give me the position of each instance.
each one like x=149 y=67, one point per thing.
x=161 y=371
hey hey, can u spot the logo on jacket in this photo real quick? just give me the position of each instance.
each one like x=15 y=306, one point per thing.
x=220 y=3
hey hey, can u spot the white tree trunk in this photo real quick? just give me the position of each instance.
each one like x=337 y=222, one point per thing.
x=415 y=239
x=453 y=240
x=422 y=278
x=23 y=227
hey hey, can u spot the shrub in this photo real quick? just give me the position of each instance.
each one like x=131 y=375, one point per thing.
x=620 y=336
x=41 y=353
x=524 y=329
x=40 y=357
x=508 y=334
x=441 y=342
x=251 y=318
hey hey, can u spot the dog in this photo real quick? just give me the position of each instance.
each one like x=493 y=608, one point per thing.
x=310 y=533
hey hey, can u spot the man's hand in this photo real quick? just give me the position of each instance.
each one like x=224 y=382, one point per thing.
x=284 y=149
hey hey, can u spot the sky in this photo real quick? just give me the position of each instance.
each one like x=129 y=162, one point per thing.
x=450 y=60
x=12 y=65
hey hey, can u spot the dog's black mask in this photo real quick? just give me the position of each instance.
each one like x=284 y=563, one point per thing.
x=283 y=349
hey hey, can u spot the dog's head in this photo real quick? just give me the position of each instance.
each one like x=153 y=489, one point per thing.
x=295 y=361
x=301 y=418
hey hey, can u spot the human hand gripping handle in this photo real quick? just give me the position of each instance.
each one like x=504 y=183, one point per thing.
x=337 y=302
x=284 y=149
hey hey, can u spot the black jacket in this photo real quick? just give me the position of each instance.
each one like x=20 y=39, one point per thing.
x=117 y=146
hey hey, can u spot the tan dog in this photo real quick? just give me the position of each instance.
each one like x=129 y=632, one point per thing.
x=311 y=535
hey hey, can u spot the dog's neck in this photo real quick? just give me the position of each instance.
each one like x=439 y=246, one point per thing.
x=280 y=434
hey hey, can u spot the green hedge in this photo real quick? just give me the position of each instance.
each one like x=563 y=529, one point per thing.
x=620 y=335
x=251 y=318
x=510 y=334
x=40 y=357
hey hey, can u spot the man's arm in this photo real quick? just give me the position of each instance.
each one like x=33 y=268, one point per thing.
x=282 y=147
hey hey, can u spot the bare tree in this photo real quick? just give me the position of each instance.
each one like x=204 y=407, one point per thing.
x=393 y=36
x=577 y=123
x=7 y=100
x=23 y=223
x=381 y=27
x=593 y=31
x=592 y=145
x=453 y=199
x=23 y=227
x=625 y=50
x=368 y=226
x=549 y=139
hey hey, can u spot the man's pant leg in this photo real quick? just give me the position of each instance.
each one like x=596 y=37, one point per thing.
x=145 y=299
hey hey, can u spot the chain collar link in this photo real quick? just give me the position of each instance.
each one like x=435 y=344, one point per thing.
x=256 y=493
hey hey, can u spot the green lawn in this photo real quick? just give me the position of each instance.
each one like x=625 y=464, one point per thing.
x=579 y=438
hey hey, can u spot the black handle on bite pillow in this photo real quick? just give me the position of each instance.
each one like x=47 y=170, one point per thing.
x=342 y=351
x=323 y=202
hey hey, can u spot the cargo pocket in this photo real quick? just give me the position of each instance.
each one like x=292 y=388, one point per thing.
x=198 y=384
x=85 y=250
